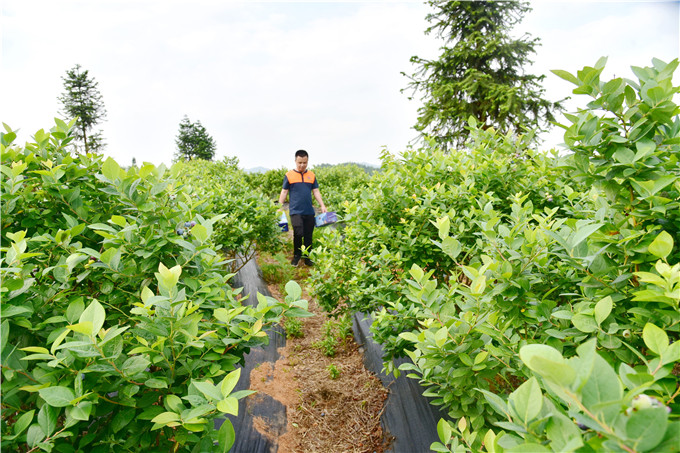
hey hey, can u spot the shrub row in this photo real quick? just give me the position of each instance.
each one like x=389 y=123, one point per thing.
x=120 y=331
x=537 y=296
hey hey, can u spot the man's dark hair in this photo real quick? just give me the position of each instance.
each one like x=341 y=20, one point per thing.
x=301 y=153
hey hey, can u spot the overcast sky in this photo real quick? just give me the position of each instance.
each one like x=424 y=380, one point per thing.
x=268 y=78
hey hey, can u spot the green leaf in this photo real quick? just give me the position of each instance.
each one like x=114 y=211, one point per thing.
x=4 y=334
x=565 y=75
x=174 y=403
x=165 y=418
x=95 y=314
x=111 y=169
x=602 y=392
x=200 y=232
x=57 y=396
x=409 y=336
x=584 y=323
x=168 y=278
x=135 y=365
x=662 y=245
x=564 y=435
x=226 y=436
x=229 y=382
x=24 y=421
x=208 y=389
x=451 y=247
x=34 y=436
x=602 y=309
x=75 y=309
x=293 y=290
x=118 y=220
x=82 y=327
x=228 y=406
x=655 y=338
x=526 y=401
x=528 y=448
x=584 y=232
x=47 y=419
x=444 y=431
x=646 y=427
x=122 y=419
x=156 y=383
x=547 y=362
x=195 y=412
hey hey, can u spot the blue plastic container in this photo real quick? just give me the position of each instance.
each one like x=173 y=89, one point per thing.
x=283 y=222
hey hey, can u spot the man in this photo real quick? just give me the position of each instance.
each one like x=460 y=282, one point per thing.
x=301 y=184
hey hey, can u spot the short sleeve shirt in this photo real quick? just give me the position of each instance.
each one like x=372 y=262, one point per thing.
x=300 y=186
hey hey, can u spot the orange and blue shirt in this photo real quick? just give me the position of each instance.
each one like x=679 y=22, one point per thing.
x=300 y=186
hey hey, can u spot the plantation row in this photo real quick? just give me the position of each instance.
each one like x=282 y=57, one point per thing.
x=120 y=331
x=536 y=295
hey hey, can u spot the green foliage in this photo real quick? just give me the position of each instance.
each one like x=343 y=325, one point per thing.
x=247 y=218
x=293 y=328
x=597 y=408
x=479 y=73
x=333 y=371
x=269 y=182
x=83 y=101
x=341 y=184
x=475 y=257
x=194 y=142
x=119 y=330
x=336 y=334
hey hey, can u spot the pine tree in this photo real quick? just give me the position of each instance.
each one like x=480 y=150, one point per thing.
x=82 y=99
x=479 y=73
x=194 y=142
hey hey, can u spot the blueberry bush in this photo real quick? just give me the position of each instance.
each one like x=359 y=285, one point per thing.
x=536 y=294
x=119 y=328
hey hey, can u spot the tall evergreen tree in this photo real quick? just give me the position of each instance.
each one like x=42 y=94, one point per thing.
x=194 y=142
x=478 y=73
x=82 y=99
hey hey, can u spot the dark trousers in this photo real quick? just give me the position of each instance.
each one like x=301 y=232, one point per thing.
x=303 y=229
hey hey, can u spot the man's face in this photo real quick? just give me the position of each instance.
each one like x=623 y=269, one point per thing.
x=301 y=163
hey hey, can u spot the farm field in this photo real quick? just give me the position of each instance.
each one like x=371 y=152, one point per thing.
x=535 y=294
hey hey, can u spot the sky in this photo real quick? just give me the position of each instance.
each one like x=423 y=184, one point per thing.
x=266 y=78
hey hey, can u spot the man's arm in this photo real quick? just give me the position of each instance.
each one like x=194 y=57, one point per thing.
x=317 y=195
x=282 y=197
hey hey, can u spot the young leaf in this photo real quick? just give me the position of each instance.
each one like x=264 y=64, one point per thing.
x=228 y=406
x=444 y=431
x=602 y=309
x=293 y=290
x=229 y=382
x=526 y=402
x=226 y=436
x=208 y=389
x=655 y=338
x=95 y=314
x=662 y=245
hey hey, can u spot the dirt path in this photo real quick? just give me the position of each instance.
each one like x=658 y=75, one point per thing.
x=333 y=404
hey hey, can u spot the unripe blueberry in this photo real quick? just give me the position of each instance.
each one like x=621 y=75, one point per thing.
x=192 y=224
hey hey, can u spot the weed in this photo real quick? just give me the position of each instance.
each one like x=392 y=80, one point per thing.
x=333 y=371
x=293 y=328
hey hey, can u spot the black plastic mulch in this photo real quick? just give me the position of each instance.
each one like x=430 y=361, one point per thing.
x=408 y=417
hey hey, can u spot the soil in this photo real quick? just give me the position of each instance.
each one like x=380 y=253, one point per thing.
x=326 y=412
